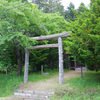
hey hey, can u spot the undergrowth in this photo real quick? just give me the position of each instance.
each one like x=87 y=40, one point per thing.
x=9 y=83
x=76 y=88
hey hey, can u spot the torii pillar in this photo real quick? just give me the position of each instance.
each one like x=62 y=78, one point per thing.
x=26 y=65
x=60 y=48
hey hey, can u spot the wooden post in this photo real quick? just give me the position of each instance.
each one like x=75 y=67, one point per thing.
x=75 y=64
x=6 y=71
x=70 y=63
x=61 y=73
x=41 y=69
x=81 y=73
x=26 y=65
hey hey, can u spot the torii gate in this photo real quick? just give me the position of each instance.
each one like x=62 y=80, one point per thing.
x=57 y=45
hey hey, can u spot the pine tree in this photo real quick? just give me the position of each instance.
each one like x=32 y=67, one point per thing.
x=69 y=13
x=50 y=6
x=81 y=8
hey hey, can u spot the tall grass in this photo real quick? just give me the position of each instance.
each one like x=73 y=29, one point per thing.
x=90 y=80
x=76 y=88
x=9 y=83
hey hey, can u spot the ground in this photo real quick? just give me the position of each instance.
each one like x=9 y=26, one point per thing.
x=47 y=84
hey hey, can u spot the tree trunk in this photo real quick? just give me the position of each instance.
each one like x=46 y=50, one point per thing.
x=19 y=60
x=51 y=66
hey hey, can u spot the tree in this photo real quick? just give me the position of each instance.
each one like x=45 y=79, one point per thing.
x=81 y=8
x=70 y=13
x=84 y=41
x=16 y=24
x=50 y=6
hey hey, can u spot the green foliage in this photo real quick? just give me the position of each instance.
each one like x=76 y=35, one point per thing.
x=81 y=8
x=15 y=24
x=84 y=41
x=52 y=24
x=55 y=23
x=7 y=57
x=19 y=22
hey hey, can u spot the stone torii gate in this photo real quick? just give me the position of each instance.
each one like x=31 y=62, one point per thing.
x=57 y=45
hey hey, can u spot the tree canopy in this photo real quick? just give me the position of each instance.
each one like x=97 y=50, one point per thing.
x=69 y=13
x=18 y=21
x=50 y=6
x=81 y=8
x=84 y=41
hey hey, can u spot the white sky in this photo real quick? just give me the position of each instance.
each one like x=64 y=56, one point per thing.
x=75 y=2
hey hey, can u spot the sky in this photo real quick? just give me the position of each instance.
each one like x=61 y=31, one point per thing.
x=75 y=2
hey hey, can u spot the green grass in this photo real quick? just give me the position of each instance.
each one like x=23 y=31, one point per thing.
x=9 y=83
x=76 y=88
x=90 y=79
x=34 y=77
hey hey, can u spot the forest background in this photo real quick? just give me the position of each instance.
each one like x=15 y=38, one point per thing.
x=20 y=20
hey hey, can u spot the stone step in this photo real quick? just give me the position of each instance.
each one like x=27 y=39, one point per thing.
x=32 y=95
x=28 y=98
x=37 y=92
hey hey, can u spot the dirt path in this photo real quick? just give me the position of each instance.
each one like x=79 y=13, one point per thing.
x=48 y=84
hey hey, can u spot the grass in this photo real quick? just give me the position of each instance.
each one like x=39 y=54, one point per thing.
x=9 y=83
x=76 y=88
x=90 y=79
x=34 y=77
